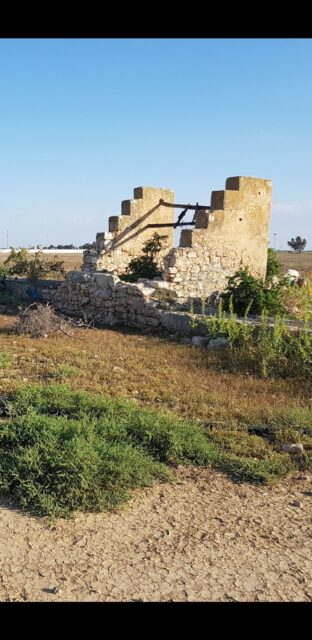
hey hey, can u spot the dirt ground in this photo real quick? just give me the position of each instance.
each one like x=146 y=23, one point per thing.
x=201 y=539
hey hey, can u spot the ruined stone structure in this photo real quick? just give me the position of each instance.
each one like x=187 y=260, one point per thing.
x=232 y=233
x=105 y=300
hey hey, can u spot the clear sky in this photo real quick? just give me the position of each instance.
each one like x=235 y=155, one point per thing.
x=83 y=122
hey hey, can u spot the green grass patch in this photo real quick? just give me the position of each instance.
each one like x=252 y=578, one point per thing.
x=63 y=451
x=64 y=371
x=5 y=360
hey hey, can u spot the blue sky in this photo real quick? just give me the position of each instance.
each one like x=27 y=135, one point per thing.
x=83 y=122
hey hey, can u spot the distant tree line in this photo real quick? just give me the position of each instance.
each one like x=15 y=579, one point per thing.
x=87 y=245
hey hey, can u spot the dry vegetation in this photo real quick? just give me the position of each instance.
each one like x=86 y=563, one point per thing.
x=149 y=370
x=291 y=260
x=72 y=261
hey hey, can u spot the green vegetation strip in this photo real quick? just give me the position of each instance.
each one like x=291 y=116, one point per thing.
x=62 y=451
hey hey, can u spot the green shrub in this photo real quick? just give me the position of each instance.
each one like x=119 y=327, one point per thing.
x=146 y=265
x=5 y=360
x=263 y=349
x=247 y=294
x=33 y=266
x=273 y=266
x=62 y=451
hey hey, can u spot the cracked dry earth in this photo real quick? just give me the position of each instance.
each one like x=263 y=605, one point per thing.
x=201 y=539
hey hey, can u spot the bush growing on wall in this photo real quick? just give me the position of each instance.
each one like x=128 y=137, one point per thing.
x=146 y=265
x=245 y=292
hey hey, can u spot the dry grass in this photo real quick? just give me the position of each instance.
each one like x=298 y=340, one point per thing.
x=174 y=377
x=291 y=260
x=72 y=261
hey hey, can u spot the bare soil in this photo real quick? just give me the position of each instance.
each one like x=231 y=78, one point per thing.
x=201 y=539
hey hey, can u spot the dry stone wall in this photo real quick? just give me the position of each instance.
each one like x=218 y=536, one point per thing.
x=105 y=300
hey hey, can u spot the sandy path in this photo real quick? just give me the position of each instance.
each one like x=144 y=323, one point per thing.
x=203 y=539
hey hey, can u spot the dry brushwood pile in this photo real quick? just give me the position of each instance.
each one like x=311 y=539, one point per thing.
x=41 y=321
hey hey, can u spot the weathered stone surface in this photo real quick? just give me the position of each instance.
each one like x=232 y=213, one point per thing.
x=200 y=341
x=101 y=278
x=232 y=234
x=171 y=321
x=77 y=276
x=218 y=343
x=236 y=235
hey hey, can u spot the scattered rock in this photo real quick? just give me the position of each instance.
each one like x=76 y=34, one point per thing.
x=52 y=590
x=218 y=343
x=296 y=503
x=200 y=341
x=296 y=447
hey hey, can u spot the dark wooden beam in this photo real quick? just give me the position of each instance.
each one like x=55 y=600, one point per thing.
x=184 y=206
x=171 y=224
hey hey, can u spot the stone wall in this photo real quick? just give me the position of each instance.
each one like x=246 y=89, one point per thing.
x=105 y=300
x=232 y=234
x=25 y=292
x=128 y=232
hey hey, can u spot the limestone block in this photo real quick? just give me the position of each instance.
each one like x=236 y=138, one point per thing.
x=200 y=341
x=77 y=277
x=218 y=343
x=152 y=322
x=112 y=281
x=101 y=279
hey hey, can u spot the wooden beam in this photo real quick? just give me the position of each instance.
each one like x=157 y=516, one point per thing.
x=171 y=224
x=184 y=206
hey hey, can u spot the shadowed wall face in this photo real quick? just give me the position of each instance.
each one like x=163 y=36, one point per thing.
x=128 y=232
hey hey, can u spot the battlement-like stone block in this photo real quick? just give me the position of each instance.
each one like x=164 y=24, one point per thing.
x=113 y=224
x=202 y=217
x=245 y=182
x=128 y=207
x=186 y=238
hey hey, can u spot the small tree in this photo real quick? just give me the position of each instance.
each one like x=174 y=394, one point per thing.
x=147 y=265
x=297 y=244
x=246 y=294
x=32 y=266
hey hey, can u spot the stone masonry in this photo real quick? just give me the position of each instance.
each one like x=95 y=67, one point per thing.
x=105 y=300
x=233 y=233
x=128 y=232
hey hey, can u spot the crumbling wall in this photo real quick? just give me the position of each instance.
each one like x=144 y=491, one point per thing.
x=106 y=300
x=128 y=232
x=232 y=234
